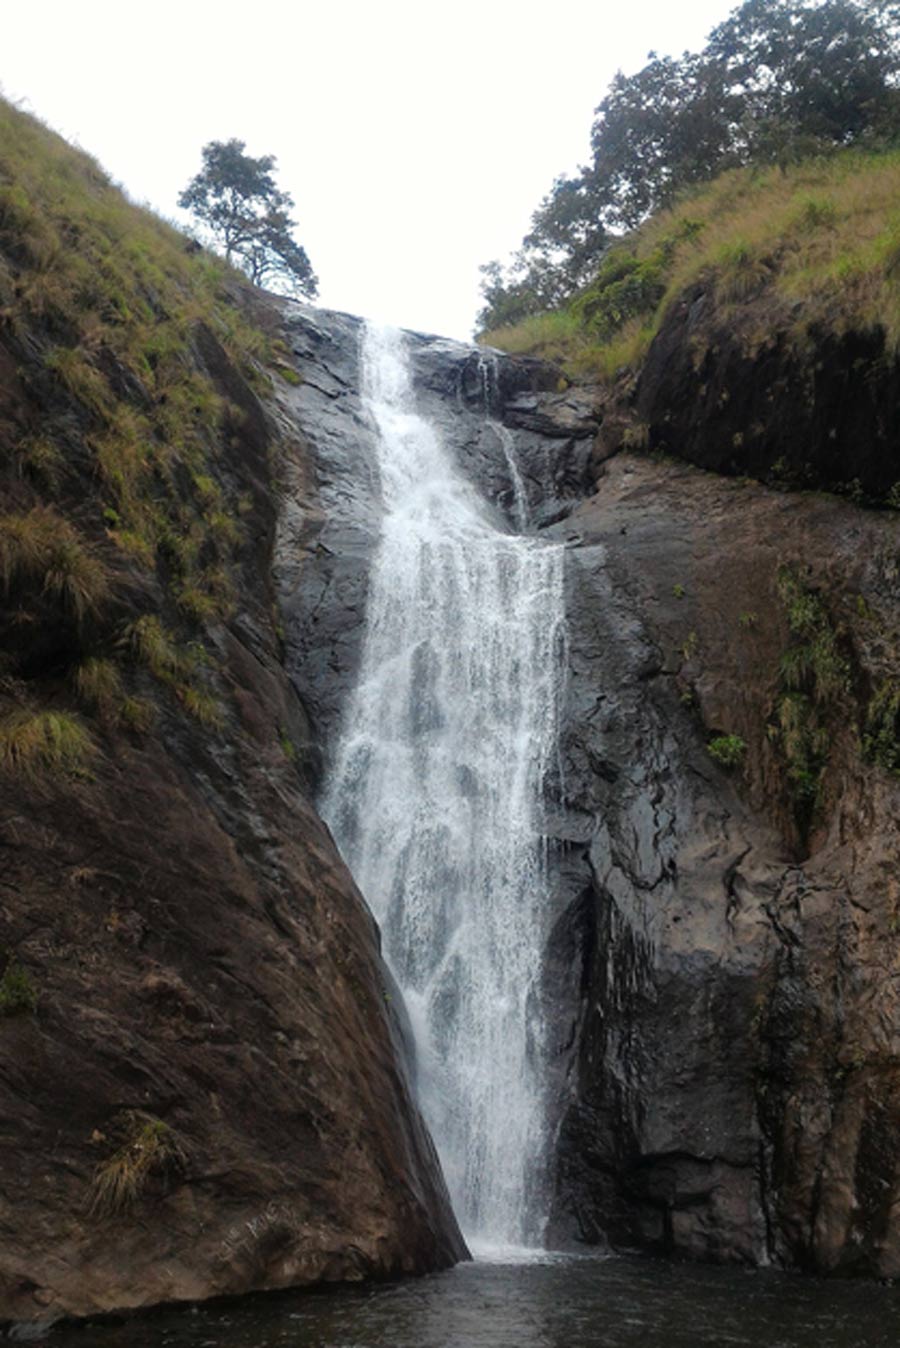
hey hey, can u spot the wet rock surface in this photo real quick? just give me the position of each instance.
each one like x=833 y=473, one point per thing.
x=817 y=411
x=329 y=523
x=732 y=1063
x=721 y=989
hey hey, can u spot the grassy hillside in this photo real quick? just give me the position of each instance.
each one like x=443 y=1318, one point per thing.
x=818 y=244
x=125 y=355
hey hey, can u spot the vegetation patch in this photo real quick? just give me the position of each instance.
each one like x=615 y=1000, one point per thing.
x=35 y=744
x=727 y=750
x=813 y=244
x=149 y=1147
x=881 y=734
x=18 y=995
x=176 y=666
x=44 y=549
x=108 y=315
x=814 y=679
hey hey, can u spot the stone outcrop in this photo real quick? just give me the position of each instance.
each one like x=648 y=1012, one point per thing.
x=732 y=1077
x=721 y=966
x=817 y=410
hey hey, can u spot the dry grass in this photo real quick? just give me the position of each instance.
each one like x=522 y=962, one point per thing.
x=149 y=1147
x=825 y=234
x=176 y=666
x=36 y=744
x=99 y=684
x=43 y=548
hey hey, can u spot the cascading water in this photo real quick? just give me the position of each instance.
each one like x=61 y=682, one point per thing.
x=487 y=371
x=435 y=798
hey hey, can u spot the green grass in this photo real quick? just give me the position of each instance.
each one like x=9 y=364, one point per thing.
x=123 y=489
x=116 y=297
x=814 y=688
x=176 y=666
x=881 y=735
x=817 y=244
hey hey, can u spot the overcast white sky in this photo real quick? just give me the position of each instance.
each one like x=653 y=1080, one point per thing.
x=416 y=138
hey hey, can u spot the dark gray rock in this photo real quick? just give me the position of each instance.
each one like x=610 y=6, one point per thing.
x=721 y=1002
x=330 y=513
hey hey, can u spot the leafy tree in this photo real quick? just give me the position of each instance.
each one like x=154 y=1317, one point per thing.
x=778 y=79
x=235 y=196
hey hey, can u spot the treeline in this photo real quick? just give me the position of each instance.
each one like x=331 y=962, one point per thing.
x=778 y=81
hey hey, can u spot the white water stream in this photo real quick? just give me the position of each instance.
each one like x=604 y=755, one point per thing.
x=435 y=797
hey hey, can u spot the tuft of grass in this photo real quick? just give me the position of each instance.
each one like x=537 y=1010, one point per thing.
x=18 y=995
x=155 y=647
x=149 y=1147
x=42 y=461
x=175 y=666
x=814 y=682
x=99 y=684
x=137 y=713
x=201 y=704
x=740 y=272
x=44 y=548
x=814 y=661
x=77 y=373
x=44 y=743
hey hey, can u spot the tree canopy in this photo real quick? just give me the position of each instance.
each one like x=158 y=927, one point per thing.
x=236 y=197
x=777 y=80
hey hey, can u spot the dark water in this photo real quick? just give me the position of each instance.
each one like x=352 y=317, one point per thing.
x=567 y=1303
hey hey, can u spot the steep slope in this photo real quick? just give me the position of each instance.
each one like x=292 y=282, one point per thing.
x=202 y=1087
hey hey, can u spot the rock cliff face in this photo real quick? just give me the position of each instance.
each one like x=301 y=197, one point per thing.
x=722 y=972
x=202 y=1080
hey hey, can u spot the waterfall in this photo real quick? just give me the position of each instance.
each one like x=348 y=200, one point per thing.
x=488 y=378
x=434 y=798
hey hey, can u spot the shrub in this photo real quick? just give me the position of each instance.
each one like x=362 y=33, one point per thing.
x=728 y=750
x=18 y=995
x=35 y=743
x=881 y=738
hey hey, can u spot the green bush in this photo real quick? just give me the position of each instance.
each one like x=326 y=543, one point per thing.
x=728 y=750
x=881 y=737
x=17 y=992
